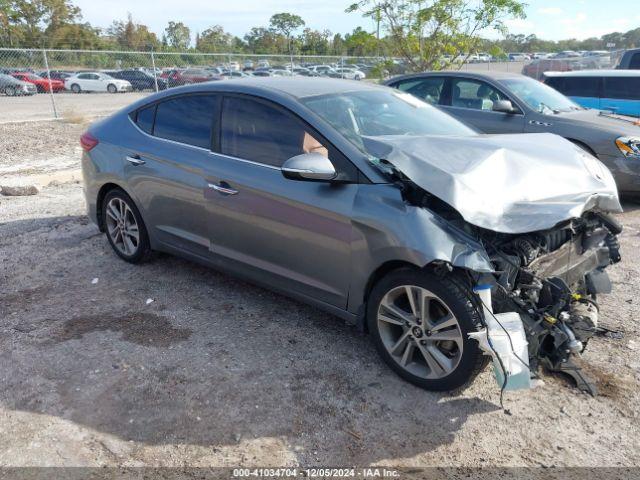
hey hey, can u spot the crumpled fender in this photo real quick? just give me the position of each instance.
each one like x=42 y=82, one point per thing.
x=386 y=228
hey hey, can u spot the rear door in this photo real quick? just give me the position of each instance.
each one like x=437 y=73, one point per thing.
x=166 y=168
x=621 y=95
x=86 y=81
x=294 y=235
x=471 y=101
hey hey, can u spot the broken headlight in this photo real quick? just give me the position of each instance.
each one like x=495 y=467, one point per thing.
x=629 y=146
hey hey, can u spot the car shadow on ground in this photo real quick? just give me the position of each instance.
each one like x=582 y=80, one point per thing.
x=171 y=352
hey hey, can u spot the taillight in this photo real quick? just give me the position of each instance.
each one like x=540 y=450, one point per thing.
x=88 y=141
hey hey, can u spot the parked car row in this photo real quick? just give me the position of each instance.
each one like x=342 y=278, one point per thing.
x=29 y=83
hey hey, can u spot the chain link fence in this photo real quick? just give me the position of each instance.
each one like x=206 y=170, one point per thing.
x=40 y=84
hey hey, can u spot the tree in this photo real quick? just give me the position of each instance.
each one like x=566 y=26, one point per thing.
x=74 y=35
x=286 y=24
x=178 y=35
x=423 y=32
x=132 y=35
x=264 y=40
x=214 y=39
x=360 y=43
x=337 y=45
x=32 y=21
x=314 y=42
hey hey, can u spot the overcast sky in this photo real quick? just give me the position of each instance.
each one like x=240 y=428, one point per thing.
x=548 y=19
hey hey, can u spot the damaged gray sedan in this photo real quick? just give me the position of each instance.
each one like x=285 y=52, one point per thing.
x=447 y=246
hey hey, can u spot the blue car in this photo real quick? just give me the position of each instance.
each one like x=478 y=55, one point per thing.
x=617 y=91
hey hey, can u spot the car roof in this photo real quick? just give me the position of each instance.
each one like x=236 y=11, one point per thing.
x=488 y=75
x=298 y=87
x=595 y=73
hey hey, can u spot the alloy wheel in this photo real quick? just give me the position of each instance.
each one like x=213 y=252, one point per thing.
x=122 y=226
x=420 y=332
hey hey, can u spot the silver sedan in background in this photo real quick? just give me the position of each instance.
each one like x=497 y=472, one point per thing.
x=499 y=102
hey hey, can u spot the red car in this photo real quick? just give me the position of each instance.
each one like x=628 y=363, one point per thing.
x=42 y=84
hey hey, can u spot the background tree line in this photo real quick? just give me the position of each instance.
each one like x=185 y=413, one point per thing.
x=422 y=32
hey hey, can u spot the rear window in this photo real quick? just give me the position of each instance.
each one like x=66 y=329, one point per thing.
x=427 y=89
x=634 y=64
x=581 y=86
x=624 y=88
x=145 y=117
x=186 y=119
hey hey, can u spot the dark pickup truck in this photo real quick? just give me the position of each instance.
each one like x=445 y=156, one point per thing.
x=630 y=60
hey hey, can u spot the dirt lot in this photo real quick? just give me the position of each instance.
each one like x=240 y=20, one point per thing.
x=217 y=372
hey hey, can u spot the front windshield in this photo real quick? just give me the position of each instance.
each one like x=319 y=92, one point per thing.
x=539 y=96
x=32 y=76
x=383 y=112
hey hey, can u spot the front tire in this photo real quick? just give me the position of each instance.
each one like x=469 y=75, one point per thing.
x=75 y=88
x=10 y=91
x=124 y=227
x=420 y=324
x=111 y=88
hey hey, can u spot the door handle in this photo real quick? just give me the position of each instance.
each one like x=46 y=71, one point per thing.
x=223 y=188
x=134 y=160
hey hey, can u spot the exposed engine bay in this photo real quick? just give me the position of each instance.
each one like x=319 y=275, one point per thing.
x=552 y=278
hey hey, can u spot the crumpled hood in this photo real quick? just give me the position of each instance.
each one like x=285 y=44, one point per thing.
x=504 y=183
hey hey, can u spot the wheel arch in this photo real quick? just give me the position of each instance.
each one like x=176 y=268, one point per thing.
x=583 y=145
x=104 y=190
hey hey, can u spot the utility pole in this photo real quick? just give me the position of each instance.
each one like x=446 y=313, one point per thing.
x=378 y=33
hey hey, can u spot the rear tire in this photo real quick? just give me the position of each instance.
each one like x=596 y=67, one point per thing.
x=75 y=88
x=111 y=88
x=429 y=347
x=125 y=229
x=10 y=91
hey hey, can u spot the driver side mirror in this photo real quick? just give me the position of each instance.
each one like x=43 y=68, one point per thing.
x=503 y=106
x=309 y=166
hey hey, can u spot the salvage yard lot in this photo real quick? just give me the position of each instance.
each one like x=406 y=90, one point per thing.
x=215 y=371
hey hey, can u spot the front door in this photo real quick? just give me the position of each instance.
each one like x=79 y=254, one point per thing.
x=472 y=102
x=293 y=235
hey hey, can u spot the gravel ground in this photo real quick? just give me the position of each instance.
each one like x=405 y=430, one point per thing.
x=217 y=372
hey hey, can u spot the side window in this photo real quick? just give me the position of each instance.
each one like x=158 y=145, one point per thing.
x=253 y=130
x=84 y=76
x=581 y=87
x=474 y=94
x=634 y=63
x=145 y=118
x=556 y=82
x=624 y=88
x=427 y=89
x=186 y=119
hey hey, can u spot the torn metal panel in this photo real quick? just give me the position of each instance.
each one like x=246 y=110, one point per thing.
x=503 y=183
